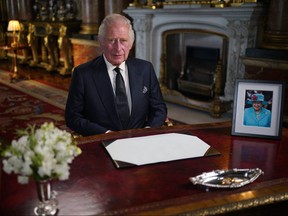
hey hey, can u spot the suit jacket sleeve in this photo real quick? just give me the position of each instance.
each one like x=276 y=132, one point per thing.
x=148 y=105
x=84 y=107
x=157 y=111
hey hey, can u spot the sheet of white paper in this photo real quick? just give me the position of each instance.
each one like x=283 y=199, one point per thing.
x=157 y=148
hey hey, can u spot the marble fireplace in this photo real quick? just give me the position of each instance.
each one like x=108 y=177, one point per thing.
x=163 y=35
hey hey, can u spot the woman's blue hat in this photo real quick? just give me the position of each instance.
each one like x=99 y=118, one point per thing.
x=257 y=98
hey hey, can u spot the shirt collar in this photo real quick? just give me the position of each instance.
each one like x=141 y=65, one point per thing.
x=111 y=67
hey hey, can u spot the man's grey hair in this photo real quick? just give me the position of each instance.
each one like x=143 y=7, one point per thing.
x=111 y=19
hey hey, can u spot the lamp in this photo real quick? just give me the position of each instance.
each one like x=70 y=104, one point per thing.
x=14 y=26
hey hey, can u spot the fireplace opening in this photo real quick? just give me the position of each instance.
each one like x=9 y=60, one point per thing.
x=193 y=68
x=199 y=71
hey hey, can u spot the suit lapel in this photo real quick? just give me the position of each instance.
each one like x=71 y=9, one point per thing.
x=136 y=85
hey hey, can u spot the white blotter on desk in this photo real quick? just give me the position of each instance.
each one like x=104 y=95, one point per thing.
x=157 y=148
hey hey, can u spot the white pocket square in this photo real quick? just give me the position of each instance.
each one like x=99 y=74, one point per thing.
x=144 y=90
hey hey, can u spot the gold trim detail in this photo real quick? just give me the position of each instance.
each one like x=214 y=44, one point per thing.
x=240 y=205
x=89 y=29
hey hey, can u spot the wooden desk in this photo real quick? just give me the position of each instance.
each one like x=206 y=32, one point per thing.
x=15 y=74
x=97 y=187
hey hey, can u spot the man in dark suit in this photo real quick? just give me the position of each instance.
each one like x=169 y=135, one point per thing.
x=92 y=105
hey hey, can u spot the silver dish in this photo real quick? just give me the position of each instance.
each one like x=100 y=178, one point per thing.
x=232 y=178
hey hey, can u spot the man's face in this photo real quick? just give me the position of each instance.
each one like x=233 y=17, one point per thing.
x=257 y=105
x=117 y=44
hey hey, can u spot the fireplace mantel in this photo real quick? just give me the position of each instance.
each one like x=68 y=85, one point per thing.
x=239 y=24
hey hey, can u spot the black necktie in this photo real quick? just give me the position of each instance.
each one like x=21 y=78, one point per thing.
x=121 y=99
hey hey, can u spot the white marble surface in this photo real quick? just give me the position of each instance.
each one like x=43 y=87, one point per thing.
x=238 y=24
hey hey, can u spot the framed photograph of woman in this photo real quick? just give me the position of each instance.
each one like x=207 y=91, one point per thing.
x=258 y=108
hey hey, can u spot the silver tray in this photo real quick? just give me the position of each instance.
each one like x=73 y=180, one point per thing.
x=232 y=178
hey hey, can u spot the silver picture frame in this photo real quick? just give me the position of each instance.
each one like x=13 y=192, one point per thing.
x=248 y=122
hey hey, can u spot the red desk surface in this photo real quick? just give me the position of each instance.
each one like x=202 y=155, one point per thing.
x=96 y=186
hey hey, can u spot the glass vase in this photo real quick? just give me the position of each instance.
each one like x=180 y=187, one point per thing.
x=48 y=203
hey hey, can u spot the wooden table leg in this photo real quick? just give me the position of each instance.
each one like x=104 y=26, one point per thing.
x=15 y=75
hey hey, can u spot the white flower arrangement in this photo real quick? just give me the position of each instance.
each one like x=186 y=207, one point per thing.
x=42 y=153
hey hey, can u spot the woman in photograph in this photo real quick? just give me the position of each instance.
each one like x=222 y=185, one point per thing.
x=257 y=115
